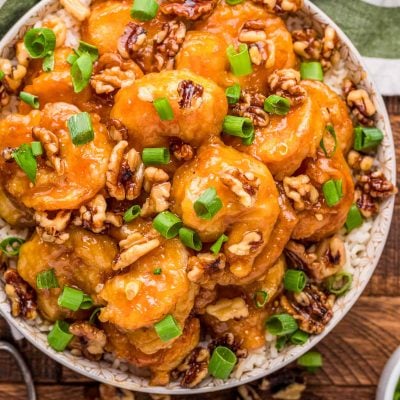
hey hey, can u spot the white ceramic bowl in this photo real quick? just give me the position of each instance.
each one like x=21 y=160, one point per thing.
x=366 y=260
x=389 y=378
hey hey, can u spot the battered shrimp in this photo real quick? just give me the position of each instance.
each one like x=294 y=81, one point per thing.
x=65 y=178
x=248 y=194
x=84 y=261
x=13 y=212
x=198 y=104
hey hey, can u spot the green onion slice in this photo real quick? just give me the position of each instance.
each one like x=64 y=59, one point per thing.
x=333 y=191
x=354 y=218
x=167 y=328
x=260 y=298
x=216 y=247
x=80 y=128
x=10 y=246
x=72 y=58
x=299 y=337
x=24 y=157
x=234 y=2
x=30 y=99
x=238 y=126
x=281 y=342
x=40 y=42
x=190 y=239
x=164 y=109
x=277 y=105
x=281 y=324
x=208 y=204
x=47 y=280
x=87 y=302
x=157 y=271
x=37 y=149
x=48 y=63
x=71 y=298
x=81 y=72
x=295 y=280
x=167 y=224
x=311 y=360
x=312 y=71
x=131 y=213
x=248 y=141
x=222 y=362
x=94 y=315
x=2 y=75
x=144 y=10
x=233 y=93
x=366 y=139
x=59 y=337
x=156 y=155
x=340 y=283
x=326 y=142
x=87 y=48
x=240 y=61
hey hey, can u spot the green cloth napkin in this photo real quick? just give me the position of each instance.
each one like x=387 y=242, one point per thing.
x=372 y=25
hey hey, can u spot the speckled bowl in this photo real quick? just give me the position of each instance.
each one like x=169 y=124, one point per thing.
x=366 y=260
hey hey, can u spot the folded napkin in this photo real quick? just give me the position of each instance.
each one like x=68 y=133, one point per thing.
x=372 y=25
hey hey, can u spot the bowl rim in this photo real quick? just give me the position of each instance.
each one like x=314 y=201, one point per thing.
x=9 y=37
x=389 y=377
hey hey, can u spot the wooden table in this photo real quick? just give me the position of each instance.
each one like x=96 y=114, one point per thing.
x=354 y=353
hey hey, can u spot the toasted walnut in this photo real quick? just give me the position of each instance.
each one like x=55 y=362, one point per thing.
x=203 y=264
x=88 y=339
x=51 y=226
x=58 y=26
x=281 y=6
x=181 y=151
x=21 y=295
x=226 y=309
x=95 y=217
x=158 y=200
x=251 y=105
x=321 y=261
x=361 y=106
x=13 y=75
x=189 y=91
x=131 y=43
x=285 y=83
x=367 y=205
x=133 y=247
x=22 y=54
x=228 y=340
x=191 y=10
x=4 y=96
x=51 y=147
x=203 y=299
x=117 y=130
x=125 y=173
x=76 y=8
x=250 y=242
x=311 y=308
x=301 y=191
x=246 y=392
x=330 y=54
x=243 y=185
x=194 y=368
x=108 y=392
x=359 y=162
x=154 y=176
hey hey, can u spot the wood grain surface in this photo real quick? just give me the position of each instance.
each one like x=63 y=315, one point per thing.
x=354 y=353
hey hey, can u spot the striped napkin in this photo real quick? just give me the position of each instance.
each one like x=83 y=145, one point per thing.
x=372 y=25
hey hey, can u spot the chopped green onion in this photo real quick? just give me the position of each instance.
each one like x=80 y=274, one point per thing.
x=87 y=302
x=222 y=362
x=30 y=99
x=190 y=239
x=233 y=93
x=312 y=71
x=295 y=280
x=260 y=298
x=72 y=58
x=281 y=324
x=59 y=337
x=299 y=337
x=71 y=298
x=248 y=141
x=157 y=271
x=81 y=128
x=87 y=48
x=216 y=247
x=144 y=10
x=240 y=61
x=156 y=155
x=40 y=42
x=168 y=328
x=81 y=72
x=238 y=126
x=47 y=280
x=340 y=283
x=94 y=315
x=37 y=149
x=354 y=218
x=131 y=213
x=281 y=342
x=311 y=360
x=277 y=105
x=48 y=63
x=367 y=138
x=164 y=109
x=330 y=129
x=24 y=157
x=333 y=191
x=234 y=2
x=2 y=75
x=167 y=224
x=10 y=246
x=208 y=204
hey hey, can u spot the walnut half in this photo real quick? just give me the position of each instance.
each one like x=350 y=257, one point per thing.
x=286 y=83
x=226 y=309
x=301 y=191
